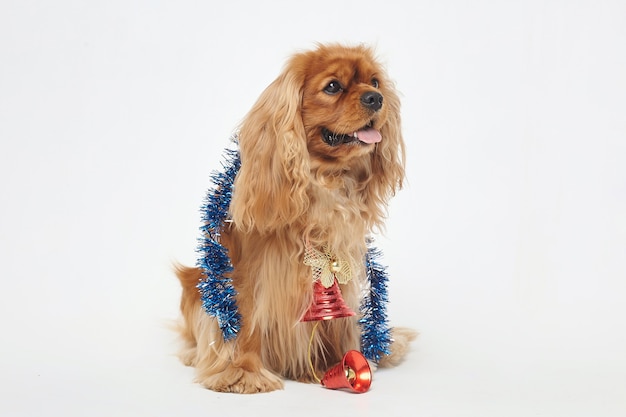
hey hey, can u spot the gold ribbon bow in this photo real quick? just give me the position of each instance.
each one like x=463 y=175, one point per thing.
x=326 y=267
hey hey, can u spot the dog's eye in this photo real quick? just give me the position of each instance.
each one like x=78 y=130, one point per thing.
x=375 y=82
x=333 y=88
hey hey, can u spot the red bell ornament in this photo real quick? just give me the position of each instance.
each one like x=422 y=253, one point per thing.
x=353 y=372
x=327 y=304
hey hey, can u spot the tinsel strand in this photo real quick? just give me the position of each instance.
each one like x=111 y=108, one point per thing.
x=375 y=331
x=216 y=289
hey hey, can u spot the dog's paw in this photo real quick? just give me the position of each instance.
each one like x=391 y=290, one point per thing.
x=401 y=338
x=239 y=380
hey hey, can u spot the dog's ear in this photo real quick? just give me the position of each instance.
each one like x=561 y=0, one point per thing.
x=388 y=161
x=270 y=188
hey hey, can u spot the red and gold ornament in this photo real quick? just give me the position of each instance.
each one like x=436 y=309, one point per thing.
x=353 y=372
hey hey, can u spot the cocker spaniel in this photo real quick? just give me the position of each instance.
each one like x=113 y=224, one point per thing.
x=321 y=154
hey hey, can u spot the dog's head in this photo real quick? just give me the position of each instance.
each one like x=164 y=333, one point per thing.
x=332 y=112
x=346 y=101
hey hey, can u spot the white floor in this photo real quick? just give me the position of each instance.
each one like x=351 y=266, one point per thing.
x=124 y=367
x=505 y=249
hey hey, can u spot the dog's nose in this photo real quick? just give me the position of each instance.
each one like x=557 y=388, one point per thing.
x=372 y=100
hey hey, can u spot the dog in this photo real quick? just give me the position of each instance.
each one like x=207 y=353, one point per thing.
x=321 y=155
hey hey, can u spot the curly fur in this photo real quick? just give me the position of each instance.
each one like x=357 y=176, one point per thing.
x=293 y=189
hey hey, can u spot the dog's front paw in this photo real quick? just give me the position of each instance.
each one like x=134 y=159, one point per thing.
x=242 y=381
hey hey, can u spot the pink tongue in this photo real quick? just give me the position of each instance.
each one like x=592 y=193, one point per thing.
x=369 y=135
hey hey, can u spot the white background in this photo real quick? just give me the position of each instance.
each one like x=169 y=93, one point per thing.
x=506 y=248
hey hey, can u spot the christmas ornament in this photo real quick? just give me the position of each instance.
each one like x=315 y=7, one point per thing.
x=325 y=267
x=352 y=372
x=327 y=304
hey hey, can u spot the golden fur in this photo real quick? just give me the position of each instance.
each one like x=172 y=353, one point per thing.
x=293 y=189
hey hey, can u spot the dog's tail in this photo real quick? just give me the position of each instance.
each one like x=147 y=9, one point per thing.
x=189 y=278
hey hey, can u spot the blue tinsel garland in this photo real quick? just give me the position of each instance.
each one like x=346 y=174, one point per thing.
x=217 y=291
x=375 y=332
